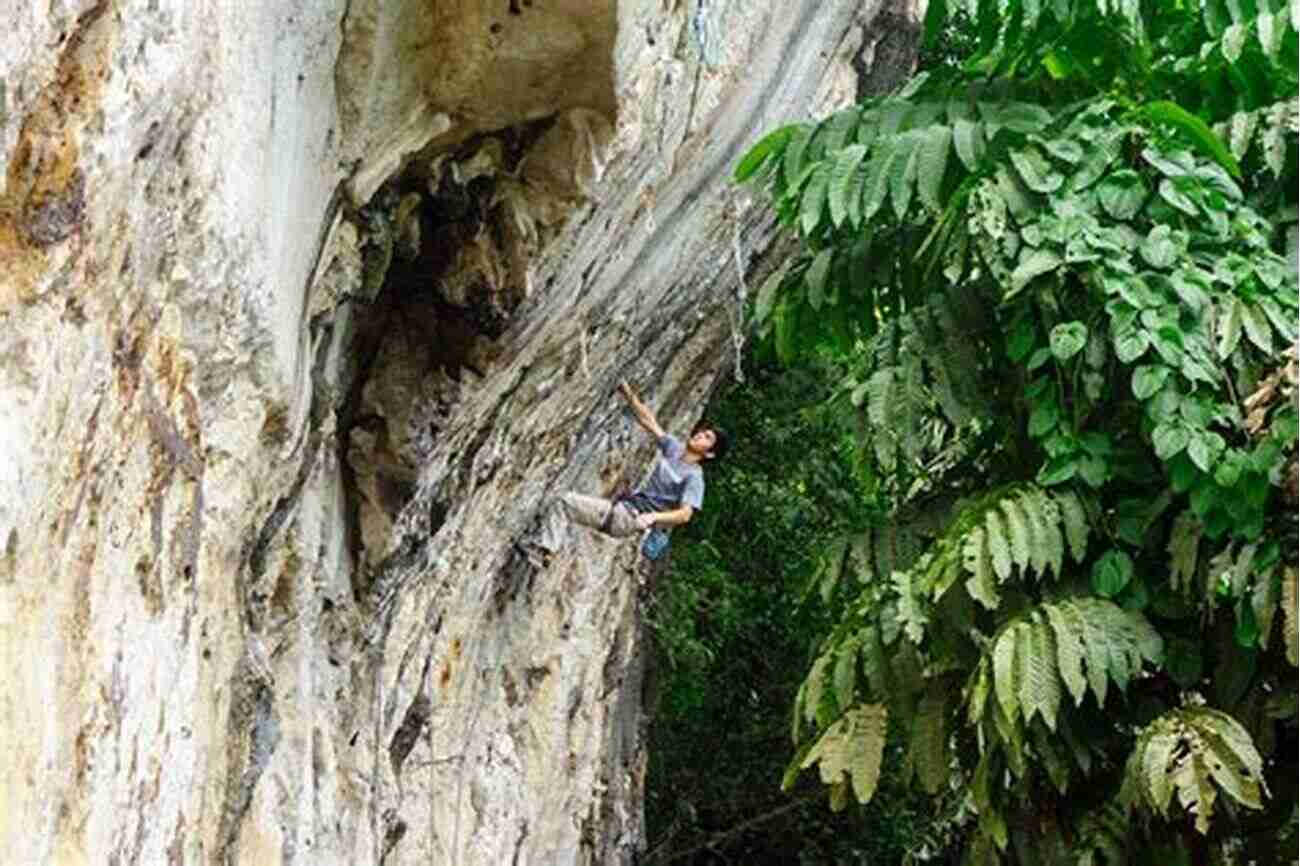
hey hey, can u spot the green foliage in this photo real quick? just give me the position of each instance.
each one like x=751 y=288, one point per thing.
x=1184 y=755
x=1055 y=281
x=732 y=645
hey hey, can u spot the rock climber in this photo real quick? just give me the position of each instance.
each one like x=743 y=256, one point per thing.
x=671 y=495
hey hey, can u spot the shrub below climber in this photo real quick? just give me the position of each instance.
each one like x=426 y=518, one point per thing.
x=670 y=496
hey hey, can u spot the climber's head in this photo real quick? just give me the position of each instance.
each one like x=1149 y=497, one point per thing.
x=707 y=443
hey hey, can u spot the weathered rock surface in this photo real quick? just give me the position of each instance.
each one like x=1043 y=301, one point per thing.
x=308 y=309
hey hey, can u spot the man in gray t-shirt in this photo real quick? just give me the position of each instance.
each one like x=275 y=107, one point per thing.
x=673 y=492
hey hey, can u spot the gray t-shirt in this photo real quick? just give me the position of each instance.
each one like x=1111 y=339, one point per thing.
x=672 y=483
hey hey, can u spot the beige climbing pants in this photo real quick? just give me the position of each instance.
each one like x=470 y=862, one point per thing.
x=594 y=512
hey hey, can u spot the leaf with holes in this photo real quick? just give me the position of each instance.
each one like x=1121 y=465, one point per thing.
x=1068 y=339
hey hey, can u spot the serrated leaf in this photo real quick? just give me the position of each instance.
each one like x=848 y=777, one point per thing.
x=852 y=746
x=1069 y=649
x=814 y=688
x=1096 y=648
x=911 y=616
x=1006 y=684
x=1045 y=545
x=815 y=277
x=875 y=666
x=1017 y=532
x=1155 y=763
x=1049 y=697
x=999 y=549
x=1076 y=524
x=844 y=183
x=871 y=725
x=839 y=128
x=1031 y=674
x=975 y=556
x=1290 y=614
x=845 y=676
x=928 y=738
x=793 y=163
x=1227 y=767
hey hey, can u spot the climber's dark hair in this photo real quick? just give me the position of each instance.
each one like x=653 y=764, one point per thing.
x=720 y=442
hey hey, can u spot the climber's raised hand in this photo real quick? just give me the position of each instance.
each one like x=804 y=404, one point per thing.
x=644 y=416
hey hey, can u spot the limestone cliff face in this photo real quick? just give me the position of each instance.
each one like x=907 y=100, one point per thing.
x=307 y=310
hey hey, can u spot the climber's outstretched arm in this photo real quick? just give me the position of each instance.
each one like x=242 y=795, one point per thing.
x=644 y=416
x=677 y=517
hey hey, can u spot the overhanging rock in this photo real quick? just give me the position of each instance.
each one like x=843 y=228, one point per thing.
x=309 y=311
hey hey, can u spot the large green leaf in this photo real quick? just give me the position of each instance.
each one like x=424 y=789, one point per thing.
x=1068 y=339
x=814 y=200
x=816 y=277
x=770 y=145
x=1122 y=194
x=1036 y=171
x=1033 y=263
x=875 y=186
x=844 y=183
x=932 y=164
x=1197 y=132
x=1111 y=573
